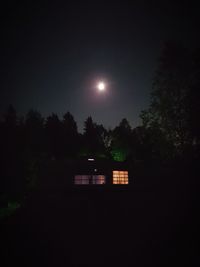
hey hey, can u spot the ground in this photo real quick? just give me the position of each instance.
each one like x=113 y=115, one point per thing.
x=143 y=226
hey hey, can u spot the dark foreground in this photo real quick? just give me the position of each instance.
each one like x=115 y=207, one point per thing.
x=153 y=223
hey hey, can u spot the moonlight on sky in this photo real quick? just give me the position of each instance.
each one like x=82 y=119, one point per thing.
x=101 y=86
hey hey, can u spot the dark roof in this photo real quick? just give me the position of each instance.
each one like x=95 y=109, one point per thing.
x=101 y=165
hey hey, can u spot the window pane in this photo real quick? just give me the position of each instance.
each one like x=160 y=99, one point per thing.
x=81 y=179
x=89 y=179
x=98 y=179
x=120 y=177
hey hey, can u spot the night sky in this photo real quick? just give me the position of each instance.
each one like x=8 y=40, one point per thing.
x=52 y=56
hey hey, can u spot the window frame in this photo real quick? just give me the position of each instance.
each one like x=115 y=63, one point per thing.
x=120 y=177
x=89 y=179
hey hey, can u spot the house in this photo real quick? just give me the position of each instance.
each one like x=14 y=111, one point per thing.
x=85 y=173
x=91 y=171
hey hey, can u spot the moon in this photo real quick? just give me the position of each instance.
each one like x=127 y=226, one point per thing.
x=101 y=86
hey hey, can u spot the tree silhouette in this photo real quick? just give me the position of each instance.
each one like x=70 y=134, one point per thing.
x=9 y=130
x=34 y=132
x=53 y=136
x=12 y=180
x=121 y=141
x=103 y=140
x=94 y=139
x=90 y=137
x=70 y=135
x=173 y=109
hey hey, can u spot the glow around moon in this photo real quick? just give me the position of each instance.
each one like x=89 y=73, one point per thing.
x=101 y=86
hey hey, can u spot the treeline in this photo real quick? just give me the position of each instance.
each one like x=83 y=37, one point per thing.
x=52 y=137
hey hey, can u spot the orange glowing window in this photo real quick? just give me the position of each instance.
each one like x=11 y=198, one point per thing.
x=120 y=177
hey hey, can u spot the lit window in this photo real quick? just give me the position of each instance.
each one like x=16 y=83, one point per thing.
x=89 y=179
x=120 y=177
x=82 y=179
x=98 y=179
